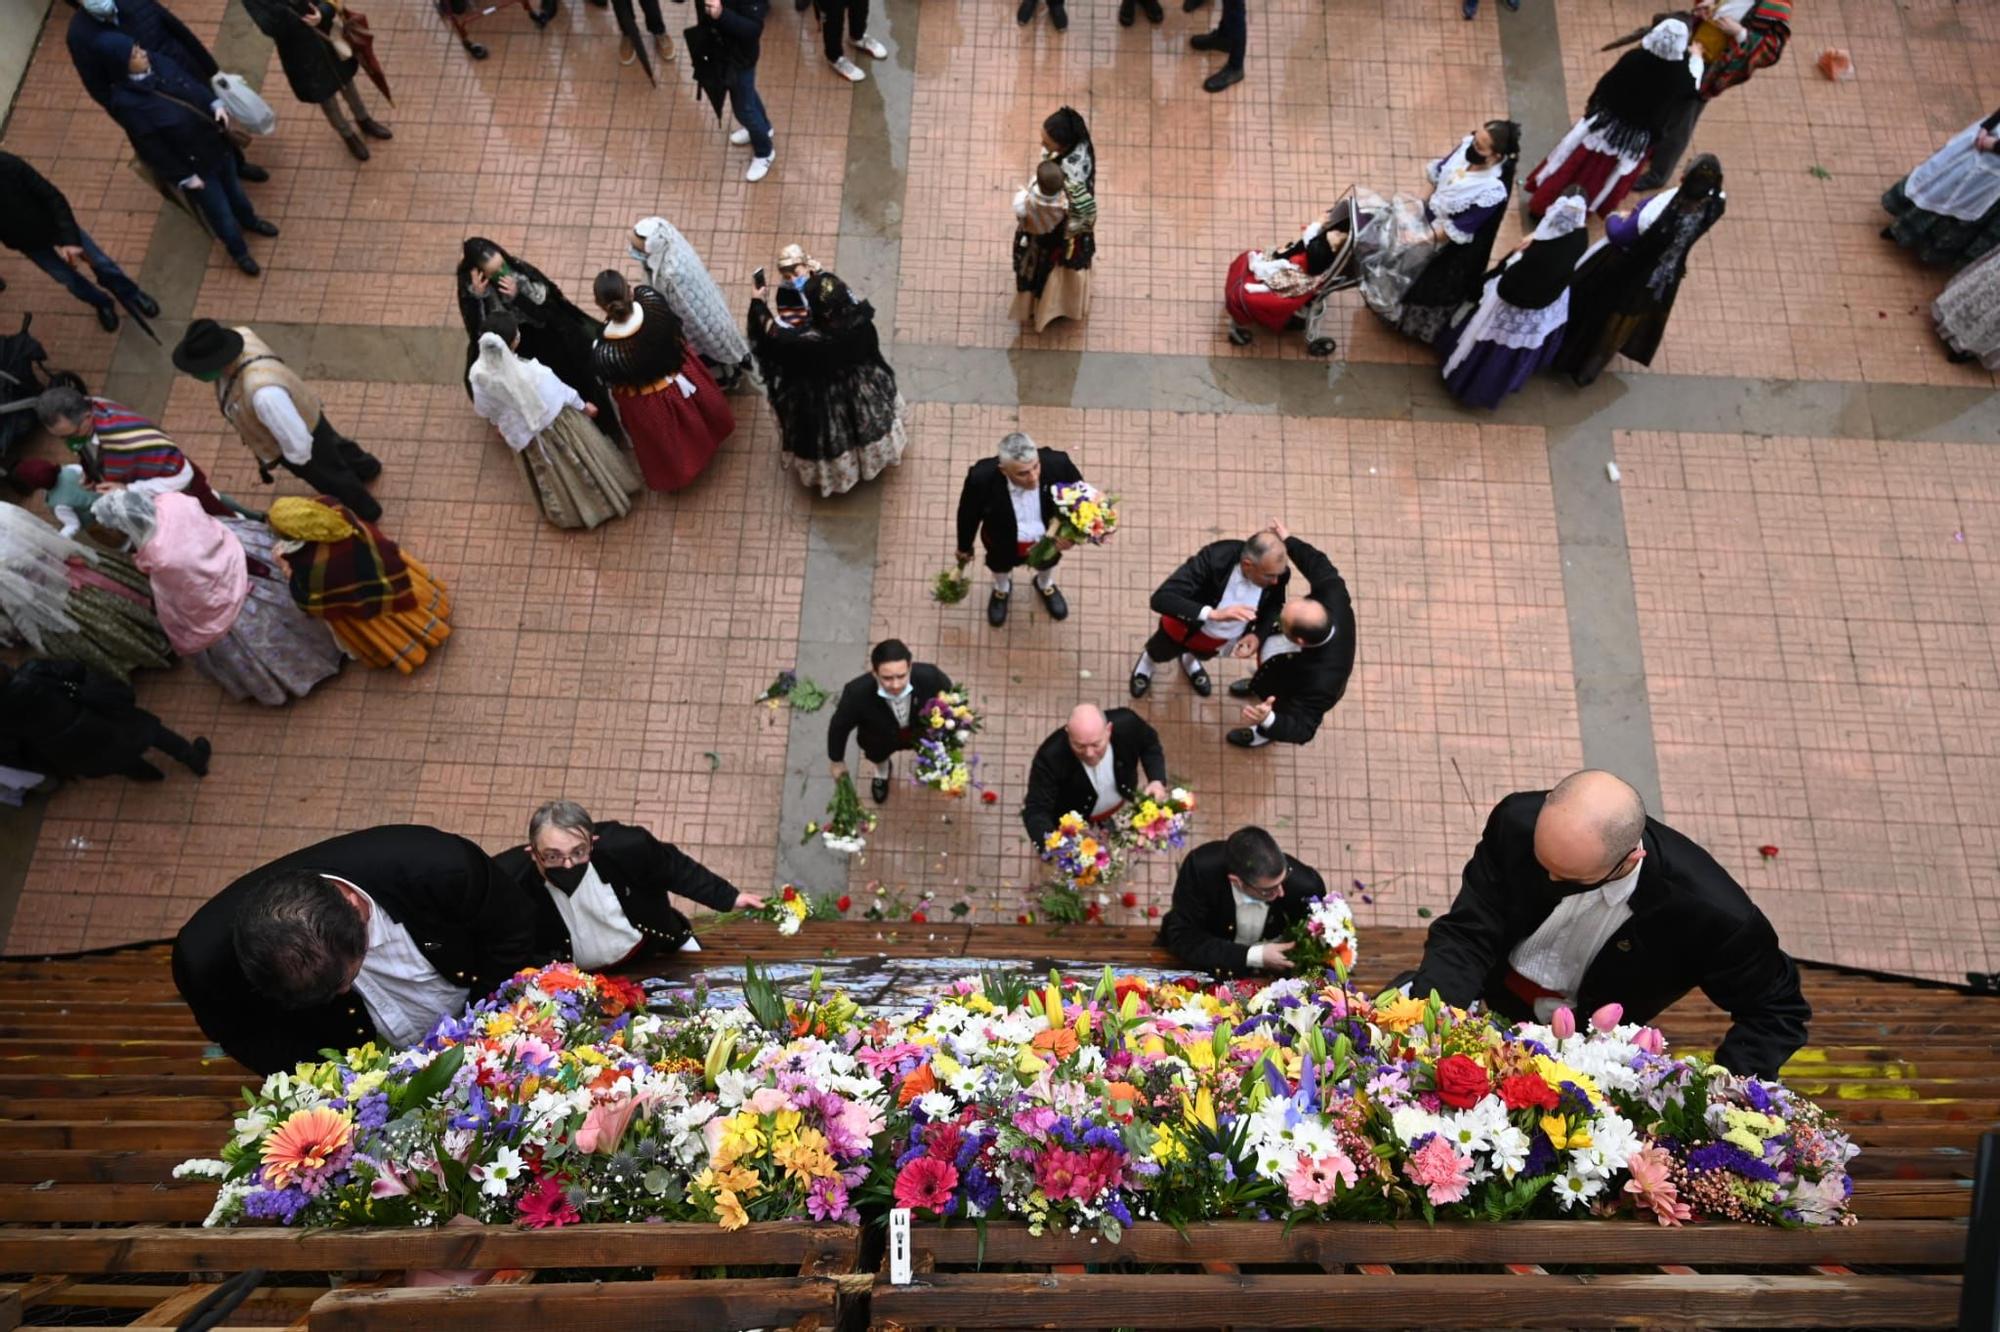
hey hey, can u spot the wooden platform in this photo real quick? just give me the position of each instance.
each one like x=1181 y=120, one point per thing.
x=106 y=1084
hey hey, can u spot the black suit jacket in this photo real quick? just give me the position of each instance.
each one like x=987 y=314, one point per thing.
x=1307 y=683
x=1058 y=784
x=862 y=708
x=1200 y=582
x=984 y=508
x=470 y=921
x=1691 y=925
x=640 y=870
x=1200 y=927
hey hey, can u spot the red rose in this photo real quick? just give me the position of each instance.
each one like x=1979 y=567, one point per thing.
x=1025 y=919
x=1461 y=1082
x=844 y=902
x=1094 y=912
x=1522 y=1090
x=790 y=892
x=918 y=918
x=989 y=797
x=1130 y=900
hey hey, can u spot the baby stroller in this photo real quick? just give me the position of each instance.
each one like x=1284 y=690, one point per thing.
x=1287 y=288
x=23 y=376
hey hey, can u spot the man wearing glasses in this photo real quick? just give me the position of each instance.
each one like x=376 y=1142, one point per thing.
x=1233 y=903
x=600 y=890
x=1574 y=898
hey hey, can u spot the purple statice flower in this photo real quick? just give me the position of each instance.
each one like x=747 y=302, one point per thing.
x=980 y=1189
x=1728 y=1156
x=280 y=1205
x=372 y=1111
x=1115 y=1205
x=1760 y=1100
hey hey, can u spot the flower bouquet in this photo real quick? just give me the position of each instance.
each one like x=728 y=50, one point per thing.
x=1083 y=860
x=942 y=725
x=846 y=826
x=1156 y=825
x=1325 y=938
x=951 y=586
x=1084 y=515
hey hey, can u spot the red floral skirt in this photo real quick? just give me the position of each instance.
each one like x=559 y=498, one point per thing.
x=675 y=437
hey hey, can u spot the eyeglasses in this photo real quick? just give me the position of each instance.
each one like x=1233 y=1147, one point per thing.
x=1617 y=872
x=563 y=859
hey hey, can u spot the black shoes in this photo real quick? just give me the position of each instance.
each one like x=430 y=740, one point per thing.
x=261 y=227
x=375 y=129
x=1154 y=14
x=355 y=147
x=144 y=304
x=1127 y=13
x=1140 y=684
x=1026 y=13
x=996 y=609
x=1226 y=77
x=251 y=172
x=1059 y=15
x=1239 y=688
x=107 y=318
x=1202 y=684
x=248 y=264
x=878 y=790
x=197 y=762
x=1053 y=599
x=1206 y=41
x=1242 y=737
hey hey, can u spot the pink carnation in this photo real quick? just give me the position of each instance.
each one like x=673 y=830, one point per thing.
x=1439 y=1170
x=1311 y=1181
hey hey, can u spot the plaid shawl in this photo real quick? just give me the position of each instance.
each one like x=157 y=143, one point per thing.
x=360 y=578
x=129 y=447
x=1767 y=27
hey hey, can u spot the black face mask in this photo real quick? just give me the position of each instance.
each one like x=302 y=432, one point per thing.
x=1473 y=156
x=567 y=879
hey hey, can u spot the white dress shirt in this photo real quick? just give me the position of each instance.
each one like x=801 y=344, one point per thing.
x=1104 y=777
x=280 y=415
x=1238 y=591
x=1028 y=524
x=403 y=992
x=1556 y=956
x=899 y=704
x=1250 y=917
x=599 y=932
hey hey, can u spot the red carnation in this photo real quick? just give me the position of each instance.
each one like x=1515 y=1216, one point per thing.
x=1522 y=1090
x=1152 y=912
x=918 y=918
x=844 y=902
x=789 y=893
x=1462 y=1082
x=989 y=797
x=1768 y=851
x=1130 y=900
x=1025 y=919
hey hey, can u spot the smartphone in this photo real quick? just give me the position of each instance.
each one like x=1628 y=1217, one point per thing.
x=757 y=278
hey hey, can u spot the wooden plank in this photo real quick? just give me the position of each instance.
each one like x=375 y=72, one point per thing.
x=1908 y=1243
x=182 y=1200
x=188 y=1136
x=10 y=1310
x=1498 y=1300
x=214 y=1109
x=267 y=1301
x=1883 y=1198
x=790 y=1244
x=117 y=1166
x=126 y=1084
x=631 y=1306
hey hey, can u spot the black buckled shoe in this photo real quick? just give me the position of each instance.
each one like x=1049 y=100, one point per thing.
x=1026 y=13
x=107 y=318
x=1202 y=684
x=147 y=306
x=1242 y=737
x=1052 y=598
x=1239 y=688
x=1128 y=13
x=1154 y=14
x=1140 y=684
x=878 y=790
x=996 y=609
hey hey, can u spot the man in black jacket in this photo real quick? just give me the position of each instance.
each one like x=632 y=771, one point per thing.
x=1006 y=500
x=1233 y=902
x=600 y=890
x=38 y=222
x=59 y=717
x=1226 y=595
x=1574 y=898
x=1092 y=767
x=1304 y=667
x=370 y=936
x=879 y=705
x=738 y=28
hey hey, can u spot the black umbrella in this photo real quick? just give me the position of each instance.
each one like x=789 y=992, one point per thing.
x=704 y=48
x=628 y=25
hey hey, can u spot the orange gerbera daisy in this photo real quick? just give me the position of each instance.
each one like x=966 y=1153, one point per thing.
x=1058 y=1041
x=915 y=1085
x=303 y=1145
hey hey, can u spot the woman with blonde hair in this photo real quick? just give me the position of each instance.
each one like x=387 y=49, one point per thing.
x=381 y=603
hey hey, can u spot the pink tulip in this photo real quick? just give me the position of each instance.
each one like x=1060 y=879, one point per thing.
x=1563 y=1024
x=1650 y=1040
x=1606 y=1018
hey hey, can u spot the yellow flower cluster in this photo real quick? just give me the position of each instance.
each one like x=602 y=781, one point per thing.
x=799 y=1153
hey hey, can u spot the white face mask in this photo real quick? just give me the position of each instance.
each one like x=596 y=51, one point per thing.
x=101 y=9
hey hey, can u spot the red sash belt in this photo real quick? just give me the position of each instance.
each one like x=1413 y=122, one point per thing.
x=903 y=733
x=1100 y=818
x=1525 y=990
x=1195 y=641
x=1021 y=549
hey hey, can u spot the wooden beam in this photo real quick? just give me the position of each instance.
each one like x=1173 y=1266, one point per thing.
x=630 y=1306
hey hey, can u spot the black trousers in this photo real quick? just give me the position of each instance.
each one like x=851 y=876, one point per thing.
x=829 y=23
x=339 y=467
x=1161 y=647
x=155 y=734
x=1234 y=29
x=1001 y=559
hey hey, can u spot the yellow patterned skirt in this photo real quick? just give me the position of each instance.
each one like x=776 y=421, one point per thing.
x=403 y=639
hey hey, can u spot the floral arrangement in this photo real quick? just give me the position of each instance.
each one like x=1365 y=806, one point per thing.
x=1325 y=939
x=564 y=1097
x=1157 y=825
x=846 y=826
x=1082 y=856
x=1084 y=515
x=942 y=726
x=951 y=586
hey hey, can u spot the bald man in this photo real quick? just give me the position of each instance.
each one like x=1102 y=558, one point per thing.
x=1092 y=767
x=1575 y=898
x=1226 y=595
x=1303 y=668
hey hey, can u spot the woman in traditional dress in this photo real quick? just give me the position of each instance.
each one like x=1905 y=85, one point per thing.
x=60 y=599
x=380 y=601
x=838 y=409
x=1517 y=327
x=1468 y=201
x=1624 y=290
x=673 y=412
x=1056 y=283
x=221 y=597
x=1968 y=313
x=1605 y=151
x=1948 y=209
x=675 y=271
x=578 y=477
x=553 y=330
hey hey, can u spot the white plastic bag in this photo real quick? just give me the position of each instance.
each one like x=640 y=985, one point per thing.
x=247 y=111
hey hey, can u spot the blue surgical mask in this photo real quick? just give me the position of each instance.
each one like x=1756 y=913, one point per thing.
x=101 y=9
x=904 y=692
x=798 y=281
x=636 y=253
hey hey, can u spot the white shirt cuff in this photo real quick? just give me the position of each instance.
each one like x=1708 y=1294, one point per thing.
x=1206 y=611
x=1255 y=958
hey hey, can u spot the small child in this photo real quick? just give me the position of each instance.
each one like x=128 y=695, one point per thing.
x=1043 y=205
